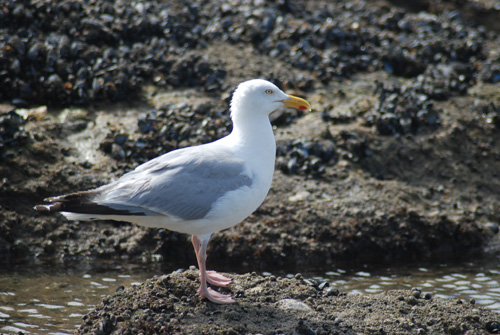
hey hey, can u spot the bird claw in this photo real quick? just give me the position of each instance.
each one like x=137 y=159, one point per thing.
x=216 y=297
x=217 y=279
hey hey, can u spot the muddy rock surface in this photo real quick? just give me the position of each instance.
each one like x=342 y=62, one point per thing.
x=273 y=305
x=398 y=161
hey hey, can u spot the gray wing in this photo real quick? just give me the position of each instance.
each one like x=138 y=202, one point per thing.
x=184 y=183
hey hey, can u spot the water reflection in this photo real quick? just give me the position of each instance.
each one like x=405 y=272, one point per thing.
x=47 y=299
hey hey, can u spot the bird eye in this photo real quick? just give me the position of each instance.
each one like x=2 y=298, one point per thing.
x=269 y=91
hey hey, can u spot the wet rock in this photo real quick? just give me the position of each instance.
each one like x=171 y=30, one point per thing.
x=493 y=227
x=145 y=123
x=404 y=64
x=493 y=327
x=12 y=132
x=401 y=110
x=307 y=157
x=441 y=81
x=331 y=291
x=416 y=293
x=303 y=329
x=490 y=72
x=490 y=111
x=120 y=139
x=117 y=151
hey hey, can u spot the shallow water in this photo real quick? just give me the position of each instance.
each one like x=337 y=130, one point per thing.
x=48 y=299
x=38 y=299
x=478 y=281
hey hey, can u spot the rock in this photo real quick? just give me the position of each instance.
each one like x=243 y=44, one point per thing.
x=294 y=304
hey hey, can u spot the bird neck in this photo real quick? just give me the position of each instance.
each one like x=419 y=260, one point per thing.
x=255 y=135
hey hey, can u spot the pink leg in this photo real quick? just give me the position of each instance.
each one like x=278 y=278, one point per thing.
x=213 y=277
x=200 y=248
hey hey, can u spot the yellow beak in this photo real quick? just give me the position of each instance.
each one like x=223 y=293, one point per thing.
x=295 y=102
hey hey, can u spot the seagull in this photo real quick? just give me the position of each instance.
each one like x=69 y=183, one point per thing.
x=197 y=190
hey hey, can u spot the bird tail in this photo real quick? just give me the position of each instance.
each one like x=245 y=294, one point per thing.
x=81 y=205
x=79 y=202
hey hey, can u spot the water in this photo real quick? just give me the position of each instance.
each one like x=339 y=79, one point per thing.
x=472 y=280
x=48 y=299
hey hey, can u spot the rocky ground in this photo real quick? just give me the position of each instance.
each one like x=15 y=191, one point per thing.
x=273 y=305
x=397 y=162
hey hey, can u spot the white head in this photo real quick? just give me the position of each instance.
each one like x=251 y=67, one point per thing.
x=258 y=96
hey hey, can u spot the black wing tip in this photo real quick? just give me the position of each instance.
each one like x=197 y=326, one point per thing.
x=50 y=208
x=63 y=202
x=87 y=208
x=81 y=203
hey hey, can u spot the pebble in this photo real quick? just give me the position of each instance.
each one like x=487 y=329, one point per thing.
x=331 y=291
x=294 y=305
x=493 y=327
x=416 y=293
